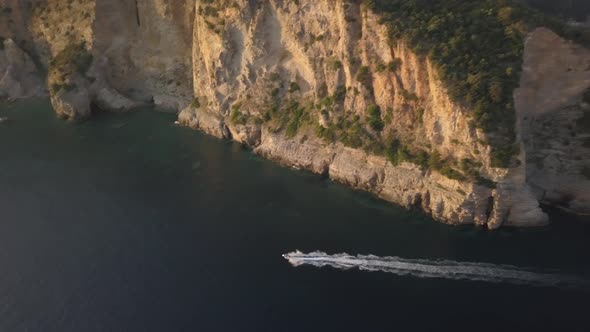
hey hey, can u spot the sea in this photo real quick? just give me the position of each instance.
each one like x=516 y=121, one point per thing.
x=128 y=222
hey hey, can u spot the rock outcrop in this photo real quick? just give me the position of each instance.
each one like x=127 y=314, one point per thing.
x=282 y=77
x=554 y=119
x=19 y=76
x=211 y=123
x=73 y=104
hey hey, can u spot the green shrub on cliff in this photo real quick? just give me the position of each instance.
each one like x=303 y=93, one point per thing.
x=396 y=153
x=294 y=87
x=352 y=133
x=502 y=156
x=195 y=103
x=486 y=182
x=394 y=64
x=73 y=58
x=238 y=118
x=339 y=94
x=374 y=118
x=363 y=75
x=334 y=64
x=284 y=115
x=295 y=122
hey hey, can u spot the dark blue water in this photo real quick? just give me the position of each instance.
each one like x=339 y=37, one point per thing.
x=129 y=223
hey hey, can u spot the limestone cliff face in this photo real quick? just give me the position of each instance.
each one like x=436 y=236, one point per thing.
x=141 y=49
x=321 y=46
x=240 y=69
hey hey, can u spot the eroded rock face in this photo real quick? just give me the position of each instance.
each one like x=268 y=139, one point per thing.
x=555 y=120
x=107 y=98
x=146 y=47
x=142 y=48
x=73 y=104
x=19 y=77
x=320 y=46
x=210 y=122
x=231 y=61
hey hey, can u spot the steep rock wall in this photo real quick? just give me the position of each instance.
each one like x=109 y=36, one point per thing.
x=141 y=50
x=144 y=48
x=237 y=67
x=20 y=73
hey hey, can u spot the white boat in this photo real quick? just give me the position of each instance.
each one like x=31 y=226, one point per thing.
x=447 y=269
x=3 y=119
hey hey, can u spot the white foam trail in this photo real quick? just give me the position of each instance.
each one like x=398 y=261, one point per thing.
x=425 y=268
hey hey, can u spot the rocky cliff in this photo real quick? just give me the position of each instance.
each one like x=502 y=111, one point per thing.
x=553 y=106
x=316 y=85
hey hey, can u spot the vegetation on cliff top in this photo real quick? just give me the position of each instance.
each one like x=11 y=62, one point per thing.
x=477 y=47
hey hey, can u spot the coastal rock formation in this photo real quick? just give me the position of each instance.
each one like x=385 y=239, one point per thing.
x=211 y=123
x=555 y=121
x=73 y=104
x=19 y=77
x=286 y=77
x=319 y=48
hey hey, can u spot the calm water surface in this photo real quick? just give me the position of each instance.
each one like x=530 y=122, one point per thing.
x=129 y=223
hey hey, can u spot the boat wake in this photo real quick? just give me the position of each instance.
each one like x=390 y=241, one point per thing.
x=424 y=268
